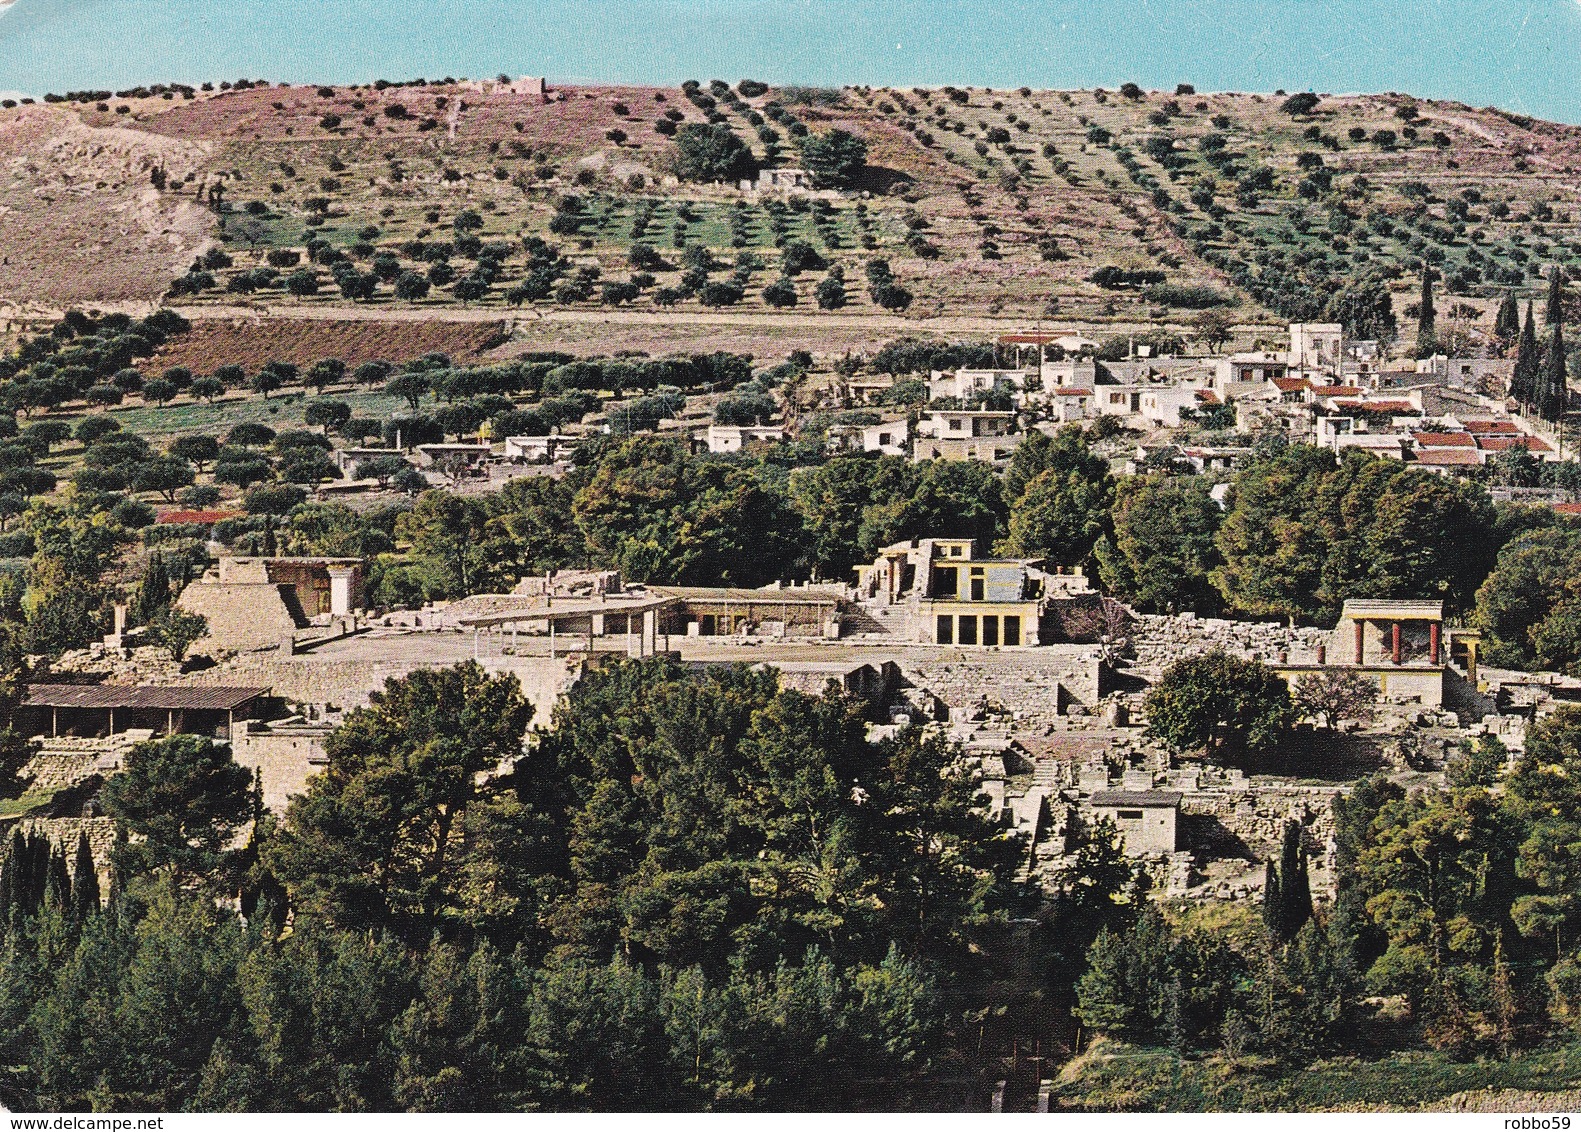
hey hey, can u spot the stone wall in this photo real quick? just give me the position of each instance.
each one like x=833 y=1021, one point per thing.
x=342 y=683
x=241 y=616
x=283 y=758
x=1035 y=686
x=1254 y=816
x=1158 y=640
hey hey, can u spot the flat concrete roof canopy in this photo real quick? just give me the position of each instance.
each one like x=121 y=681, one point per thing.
x=1142 y=799
x=1377 y=609
x=140 y=696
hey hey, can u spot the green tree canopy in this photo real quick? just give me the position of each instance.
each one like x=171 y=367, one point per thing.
x=184 y=799
x=712 y=152
x=1219 y=704
x=835 y=158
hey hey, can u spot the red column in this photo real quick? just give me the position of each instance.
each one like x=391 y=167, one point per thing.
x=1432 y=642
x=1396 y=643
x=1360 y=629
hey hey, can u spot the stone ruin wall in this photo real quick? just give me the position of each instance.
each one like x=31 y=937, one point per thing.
x=347 y=684
x=1034 y=686
x=1158 y=640
x=1254 y=817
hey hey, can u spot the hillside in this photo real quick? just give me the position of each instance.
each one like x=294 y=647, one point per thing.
x=988 y=205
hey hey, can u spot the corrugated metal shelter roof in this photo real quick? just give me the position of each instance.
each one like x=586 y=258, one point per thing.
x=188 y=698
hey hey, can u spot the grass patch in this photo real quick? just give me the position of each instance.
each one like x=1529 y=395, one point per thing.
x=1118 y=1078
x=154 y=424
x=17 y=807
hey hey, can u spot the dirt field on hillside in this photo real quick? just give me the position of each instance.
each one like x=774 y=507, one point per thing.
x=250 y=344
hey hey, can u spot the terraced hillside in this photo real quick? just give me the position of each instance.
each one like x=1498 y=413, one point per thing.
x=1087 y=207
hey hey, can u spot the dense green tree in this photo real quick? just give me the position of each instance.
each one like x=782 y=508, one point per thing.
x=379 y=837
x=1545 y=797
x=1439 y=873
x=184 y=799
x=1161 y=555
x=452 y=536
x=712 y=153
x=847 y=506
x=1219 y=704
x=658 y=514
x=1364 y=308
x=1527 y=372
x=1301 y=535
x=1529 y=608
x=835 y=158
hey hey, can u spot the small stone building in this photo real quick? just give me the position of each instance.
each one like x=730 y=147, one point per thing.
x=1147 y=820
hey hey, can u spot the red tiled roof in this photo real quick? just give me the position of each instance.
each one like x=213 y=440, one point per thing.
x=1444 y=439
x=197 y=517
x=1449 y=457
x=1072 y=392
x=1505 y=443
x=1337 y=390
x=1567 y=508
x=1208 y=397
x=1492 y=428
x=1289 y=384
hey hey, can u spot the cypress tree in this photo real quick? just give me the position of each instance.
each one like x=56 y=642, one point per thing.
x=1427 y=318
x=153 y=592
x=57 y=882
x=10 y=879
x=84 y=880
x=1523 y=384
x=1554 y=391
x=1295 y=888
x=1507 y=323
x=1554 y=313
x=38 y=871
x=1273 y=907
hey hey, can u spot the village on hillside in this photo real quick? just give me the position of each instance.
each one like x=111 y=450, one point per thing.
x=526 y=597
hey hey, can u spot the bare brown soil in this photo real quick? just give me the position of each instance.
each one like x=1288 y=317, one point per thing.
x=251 y=343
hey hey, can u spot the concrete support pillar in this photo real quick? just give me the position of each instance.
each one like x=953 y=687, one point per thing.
x=598 y=625
x=650 y=632
x=1361 y=627
x=1396 y=650
x=1433 y=631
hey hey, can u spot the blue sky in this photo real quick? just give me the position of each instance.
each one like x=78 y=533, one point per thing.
x=1518 y=54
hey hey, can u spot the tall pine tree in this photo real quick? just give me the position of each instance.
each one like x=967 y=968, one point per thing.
x=1523 y=383
x=1287 y=899
x=1553 y=398
x=1507 y=322
x=1552 y=384
x=1427 y=318
x=84 y=880
x=153 y=592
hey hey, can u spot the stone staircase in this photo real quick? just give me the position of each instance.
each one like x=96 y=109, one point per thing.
x=889 y=621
